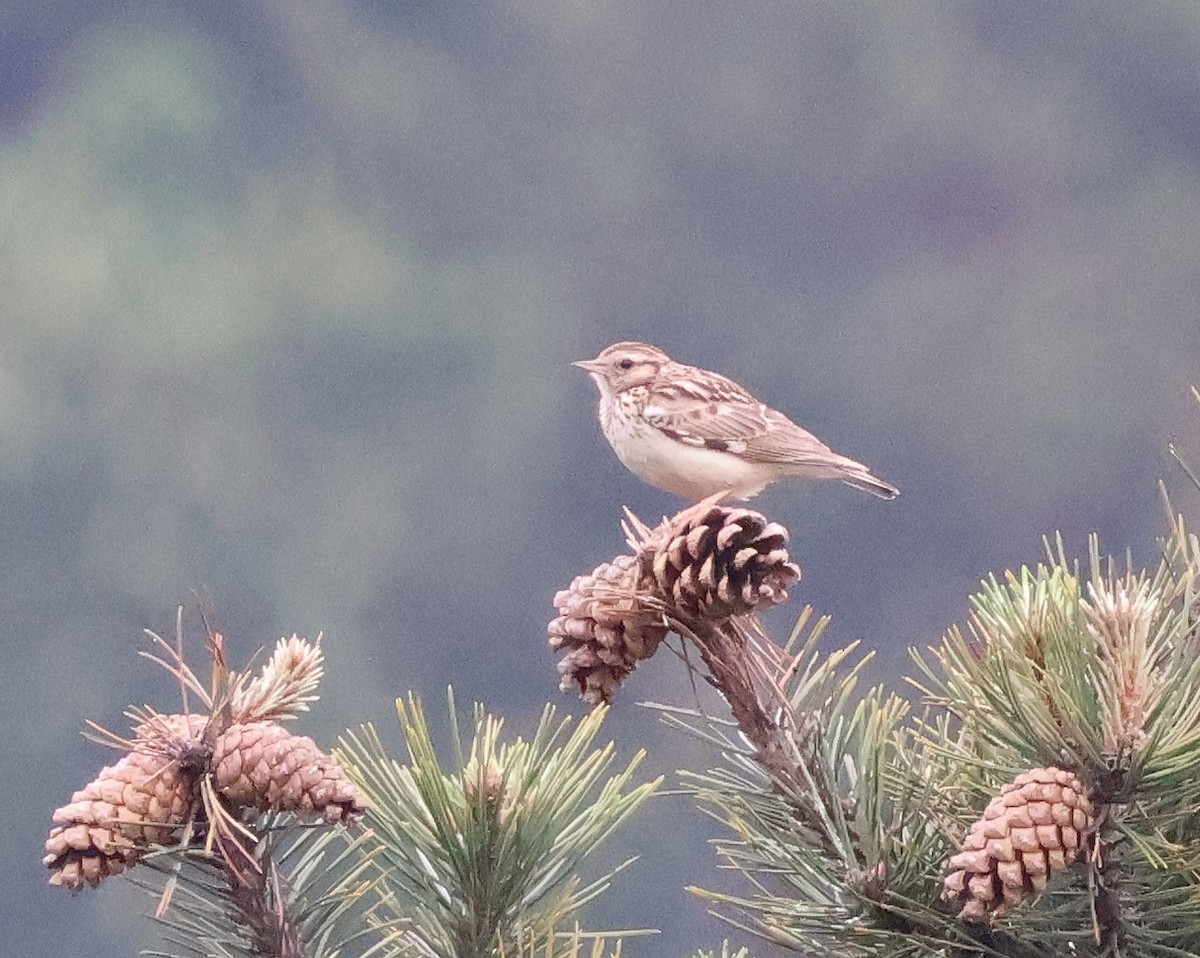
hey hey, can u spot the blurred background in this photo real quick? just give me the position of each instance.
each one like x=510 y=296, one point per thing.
x=288 y=294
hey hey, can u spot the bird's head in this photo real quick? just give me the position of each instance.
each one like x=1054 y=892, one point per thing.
x=624 y=365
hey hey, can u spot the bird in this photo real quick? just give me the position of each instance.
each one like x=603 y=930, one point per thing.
x=698 y=434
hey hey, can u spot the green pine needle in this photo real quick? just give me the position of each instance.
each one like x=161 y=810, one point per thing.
x=481 y=858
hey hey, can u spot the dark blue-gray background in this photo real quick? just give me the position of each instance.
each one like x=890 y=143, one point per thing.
x=288 y=293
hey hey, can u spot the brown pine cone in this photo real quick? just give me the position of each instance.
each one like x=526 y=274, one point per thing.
x=605 y=629
x=1034 y=828
x=263 y=766
x=718 y=562
x=140 y=801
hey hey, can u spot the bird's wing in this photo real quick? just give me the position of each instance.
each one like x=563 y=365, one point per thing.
x=712 y=412
x=785 y=442
x=717 y=413
x=707 y=410
x=713 y=424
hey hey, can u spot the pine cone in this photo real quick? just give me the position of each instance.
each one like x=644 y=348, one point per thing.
x=263 y=766
x=140 y=801
x=718 y=562
x=1033 y=829
x=605 y=629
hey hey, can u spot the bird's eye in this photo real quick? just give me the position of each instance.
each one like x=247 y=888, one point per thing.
x=625 y=364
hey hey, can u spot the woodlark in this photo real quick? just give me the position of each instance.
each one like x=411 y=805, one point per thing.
x=697 y=434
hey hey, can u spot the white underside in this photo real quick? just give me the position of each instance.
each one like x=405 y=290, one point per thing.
x=690 y=471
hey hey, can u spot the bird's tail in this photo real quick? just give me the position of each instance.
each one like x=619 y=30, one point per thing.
x=868 y=483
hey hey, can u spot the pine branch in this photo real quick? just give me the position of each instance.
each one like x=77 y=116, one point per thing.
x=295 y=893
x=481 y=857
x=204 y=798
x=1043 y=802
x=820 y=803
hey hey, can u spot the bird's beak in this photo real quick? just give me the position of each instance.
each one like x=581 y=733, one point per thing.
x=587 y=365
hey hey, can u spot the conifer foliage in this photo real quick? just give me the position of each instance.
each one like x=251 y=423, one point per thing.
x=257 y=843
x=1035 y=793
x=481 y=856
x=1031 y=790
